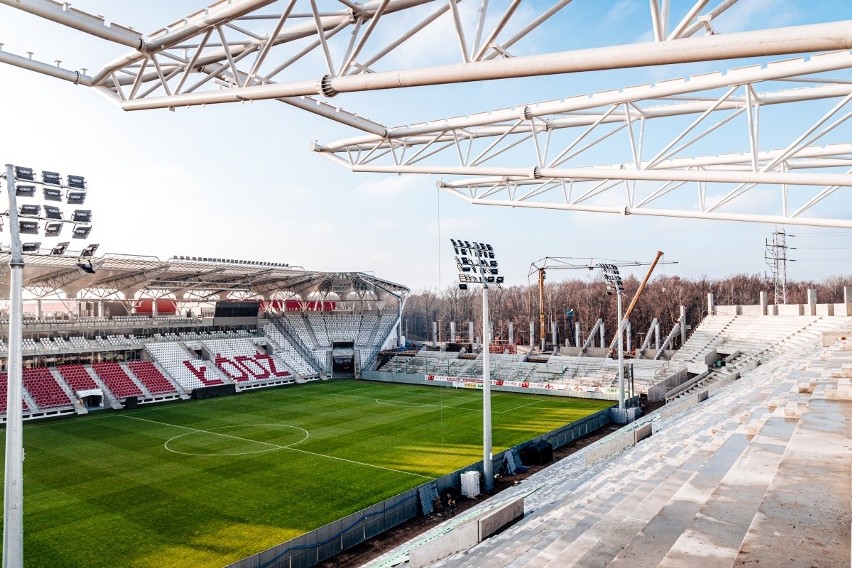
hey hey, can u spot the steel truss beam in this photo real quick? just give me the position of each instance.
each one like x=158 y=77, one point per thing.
x=126 y=284
x=239 y=50
x=544 y=155
x=549 y=155
x=50 y=283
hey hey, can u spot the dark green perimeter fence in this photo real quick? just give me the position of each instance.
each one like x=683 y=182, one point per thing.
x=323 y=543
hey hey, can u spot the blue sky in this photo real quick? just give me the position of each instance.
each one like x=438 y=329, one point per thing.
x=238 y=181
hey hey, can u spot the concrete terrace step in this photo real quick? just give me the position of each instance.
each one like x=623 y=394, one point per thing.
x=607 y=538
x=716 y=532
x=720 y=483
x=785 y=531
x=652 y=543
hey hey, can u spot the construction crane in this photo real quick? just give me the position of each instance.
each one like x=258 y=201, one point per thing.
x=541 y=266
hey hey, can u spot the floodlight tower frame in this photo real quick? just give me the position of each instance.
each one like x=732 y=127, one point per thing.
x=613 y=281
x=477 y=264
x=13 y=483
x=13 y=487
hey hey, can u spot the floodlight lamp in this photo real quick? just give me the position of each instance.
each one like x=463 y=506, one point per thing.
x=59 y=249
x=25 y=190
x=76 y=197
x=53 y=212
x=52 y=194
x=81 y=231
x=51 y=178
x=76 y=182
x=462 y=286
x=52 y=228
x=489 y=278
x=29 y=210
x=500 y=280
x=23 y=173
x=31 y=248
x=89 y=250
x=28 y=227
x=82 y=216
x=86 y=267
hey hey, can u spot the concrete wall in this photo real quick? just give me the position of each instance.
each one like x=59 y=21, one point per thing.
x=789 y=310
x=590 y=352
x=751 y=310
x=610 y=447
x=786 y=310
x=658 y=391
x=829 y=338
x=492 y=521
x=412 y=379
x=825 y=309
x=466 y=536
x=458 y=539
x=642 y=432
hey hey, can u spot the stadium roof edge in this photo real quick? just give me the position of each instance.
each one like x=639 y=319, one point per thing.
x=126 y=276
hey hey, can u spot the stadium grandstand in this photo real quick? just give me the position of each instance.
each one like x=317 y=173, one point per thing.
x=706 y=472
x=747 y=463
x=137 y=330
x=734 y=448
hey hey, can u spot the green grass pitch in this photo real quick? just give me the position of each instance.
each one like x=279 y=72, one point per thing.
x=205 y=483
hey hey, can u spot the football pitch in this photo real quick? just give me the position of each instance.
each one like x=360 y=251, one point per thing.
x=208 y=482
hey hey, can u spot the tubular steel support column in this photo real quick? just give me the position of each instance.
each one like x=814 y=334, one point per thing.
x=487 y=465
x=620 y=355
x=13 y=489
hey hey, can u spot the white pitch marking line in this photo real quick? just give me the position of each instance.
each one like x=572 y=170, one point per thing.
x=278 y=447
x=361 y=463
x=211 y=431
x=398 y=402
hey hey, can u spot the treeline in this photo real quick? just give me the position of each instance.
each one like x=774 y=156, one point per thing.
x=661 y=299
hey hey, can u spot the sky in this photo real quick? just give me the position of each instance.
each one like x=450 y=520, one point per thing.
x=239 y=181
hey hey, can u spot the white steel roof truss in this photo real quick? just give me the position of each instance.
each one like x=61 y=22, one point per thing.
x=414 y=158
x=459 y=30
x=192 y=62
x=355 y=49
x=482 y=157
x=267 y=43
x=663 y=154
x=481 y=50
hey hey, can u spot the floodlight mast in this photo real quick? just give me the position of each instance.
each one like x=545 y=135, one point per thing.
x=13 y=490
x=477 y=264
x=613 y=283
x=542 y=265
